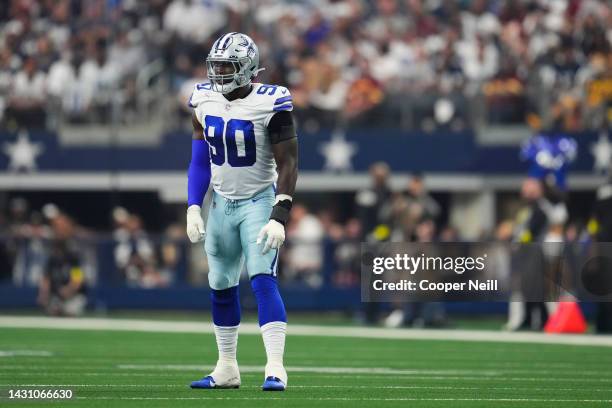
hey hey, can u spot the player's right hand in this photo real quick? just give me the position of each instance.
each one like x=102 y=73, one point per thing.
x=195 y=224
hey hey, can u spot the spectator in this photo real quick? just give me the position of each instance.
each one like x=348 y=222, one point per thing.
x=68 y=86
x=125 y=55
x=33 y=252
x=505 y=95
x=7 y=61
x=374 y=204
x=16 y=225
x=184 y=18
x=62 y=288
x=26 y=102
x=479 y=59
x=135 y=255
x=374 y=211
x=364 y=95
x=541 y=220
x=420 y=200
x=347 y=256
x=172 y=253
x=100 y=77
x=305 y=256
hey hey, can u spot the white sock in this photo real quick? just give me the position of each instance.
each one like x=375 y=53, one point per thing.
x=227 y=343
x=273 y=334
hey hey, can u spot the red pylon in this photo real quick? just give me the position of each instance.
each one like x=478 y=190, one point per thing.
x=568 y=318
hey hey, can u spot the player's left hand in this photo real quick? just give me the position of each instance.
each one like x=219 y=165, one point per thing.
x=275 y=232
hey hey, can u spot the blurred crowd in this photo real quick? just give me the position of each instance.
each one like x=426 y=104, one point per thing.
x=414 y=63
x=48 y=249
x=45 y=249
x=36 y=245
x=128 y=254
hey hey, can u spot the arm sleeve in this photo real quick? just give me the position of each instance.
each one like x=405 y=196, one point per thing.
x=281 y=127
x=198 y=175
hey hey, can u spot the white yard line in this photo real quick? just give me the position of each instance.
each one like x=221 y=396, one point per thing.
x=62 y=367
x=303 y=330
x=412 y=377
x=496 y=365
x=25 y=353
x=321 y=370
x=258 y=369
x=361 y=370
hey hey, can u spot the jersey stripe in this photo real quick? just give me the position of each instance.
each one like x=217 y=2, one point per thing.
x=283 y=107
x=283 y=99
x=273 y=266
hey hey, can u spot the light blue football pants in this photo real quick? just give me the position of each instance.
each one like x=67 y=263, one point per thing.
x=231 y=235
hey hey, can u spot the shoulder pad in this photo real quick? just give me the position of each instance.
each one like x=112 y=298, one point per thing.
x=201 y=92
x=275 y=98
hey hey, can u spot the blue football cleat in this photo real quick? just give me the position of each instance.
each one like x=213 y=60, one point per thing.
x=209 y=383
x=273 y=384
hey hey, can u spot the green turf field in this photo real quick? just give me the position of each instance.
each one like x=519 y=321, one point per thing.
x=138 y=369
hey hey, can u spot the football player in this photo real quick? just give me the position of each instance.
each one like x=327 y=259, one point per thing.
x=245 y=144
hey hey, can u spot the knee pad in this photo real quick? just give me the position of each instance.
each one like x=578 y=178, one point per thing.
x=270 y=305
x=225 y=307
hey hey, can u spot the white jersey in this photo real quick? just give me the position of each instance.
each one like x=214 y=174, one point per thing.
x=241 y=158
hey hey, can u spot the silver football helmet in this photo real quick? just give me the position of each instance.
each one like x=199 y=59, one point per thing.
x=233 y=62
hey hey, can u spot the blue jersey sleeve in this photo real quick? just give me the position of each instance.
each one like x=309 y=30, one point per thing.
x=198 y=175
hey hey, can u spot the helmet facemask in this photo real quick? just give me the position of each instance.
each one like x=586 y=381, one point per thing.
x=226 y=75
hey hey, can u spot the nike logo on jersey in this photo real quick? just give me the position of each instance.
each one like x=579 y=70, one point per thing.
x=257 y=198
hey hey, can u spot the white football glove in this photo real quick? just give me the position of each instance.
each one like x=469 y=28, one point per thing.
x=275 y=231
x=195 y=224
